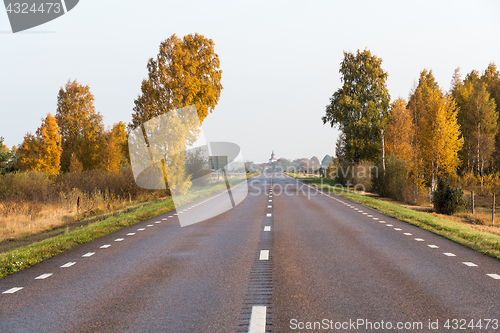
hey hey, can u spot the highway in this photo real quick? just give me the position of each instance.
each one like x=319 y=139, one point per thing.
x=286 y=259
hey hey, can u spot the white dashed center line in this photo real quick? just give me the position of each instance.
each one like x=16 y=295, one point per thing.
x=43 y=276
x=257 y=319
x=86 y=255
x=270 y=201
x=369 y=215
x=397 y=229
x=375 y=218
x=470 y=264
x=131 y=234
x=12 y=290
x=69 y=264
x=494 y=276
x=264 y=255
x=449 y=254
x=433 y=246
x=158 y=222
x=388 y=225
x=407 y=234
x=267 y=228
x=149 y=225
x=141 y=229
x=105 y=246
x=118 y=239
x=269 y=214
x=419 y=239
x=382 y=221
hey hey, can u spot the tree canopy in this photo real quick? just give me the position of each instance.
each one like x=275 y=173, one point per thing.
x=360 y=107
x=185 y=72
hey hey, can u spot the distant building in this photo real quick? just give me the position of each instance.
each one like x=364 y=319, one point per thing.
x=273 y=158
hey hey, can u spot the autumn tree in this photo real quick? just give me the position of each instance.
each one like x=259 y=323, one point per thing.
x=360 y=107
x=80 y=126
x=112 y=149
x=42 y=151
x=185 y=72
x=400 y=132
x=477 y=116
x=185 y=75
x=437 y=131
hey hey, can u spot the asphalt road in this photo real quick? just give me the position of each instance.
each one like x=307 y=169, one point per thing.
x=286 y=259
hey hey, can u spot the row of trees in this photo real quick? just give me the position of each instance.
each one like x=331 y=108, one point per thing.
x=435 y=134
x=185 y=72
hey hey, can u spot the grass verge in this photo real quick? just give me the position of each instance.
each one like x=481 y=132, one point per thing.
x=23 y=257
x=479 y=241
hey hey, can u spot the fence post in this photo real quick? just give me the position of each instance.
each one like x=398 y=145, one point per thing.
x=493 y=210
x=472 y=198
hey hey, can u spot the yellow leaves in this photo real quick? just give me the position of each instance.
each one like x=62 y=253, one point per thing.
x=43 y=151
x=185 y=72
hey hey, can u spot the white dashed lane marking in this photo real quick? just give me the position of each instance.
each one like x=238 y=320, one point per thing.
x=264 y=255
x=449 y=254
x=12 y=290
x=433 y=246
x=141 y=229
x=419 y=239
x=131 y=234
x=69 y=264
x=397 y=229
x=149 y=225
x=86 y=255
x=269 y=214
x=494 y=276
x=470 y=264
x=269 y=206
x=267 y=228
x=105 y=246
x=257 y=319
x=158 y=222
x=43 y=276
x=407 y=234
x=118 y=239
x=388 y=225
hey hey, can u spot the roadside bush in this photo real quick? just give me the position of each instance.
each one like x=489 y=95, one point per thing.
x=359 y=175
x=397 y=182
x=447 y=199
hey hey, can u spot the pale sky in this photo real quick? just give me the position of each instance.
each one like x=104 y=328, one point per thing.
x=280 y=60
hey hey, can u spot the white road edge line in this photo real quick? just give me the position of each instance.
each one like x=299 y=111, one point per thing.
x=43 y=276
x=12 y=290
x=470 y=264
x=69 y=264
x=257 y=319
x=264 y=255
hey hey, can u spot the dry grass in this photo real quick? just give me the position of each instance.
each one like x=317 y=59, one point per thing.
x=32 y=203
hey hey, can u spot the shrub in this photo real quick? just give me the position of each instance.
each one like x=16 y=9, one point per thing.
x=447 y=199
